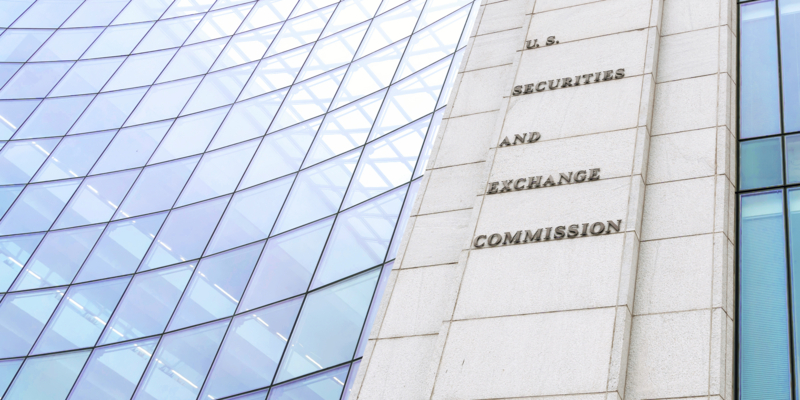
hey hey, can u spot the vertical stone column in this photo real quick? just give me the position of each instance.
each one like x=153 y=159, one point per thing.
x=511 y=316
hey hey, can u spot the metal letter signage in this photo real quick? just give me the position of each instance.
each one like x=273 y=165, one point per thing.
x=535 y=182
x=568 y=82
x=544 y=234
x=521 y=139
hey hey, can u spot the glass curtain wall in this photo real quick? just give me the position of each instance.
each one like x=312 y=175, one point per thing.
x=202 y=199
x=769 y=200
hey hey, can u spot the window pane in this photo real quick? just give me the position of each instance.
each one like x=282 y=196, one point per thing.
x=18 y=45
x=14 y=253
x=163 y=101
x=267 y=13
x=187 y=7
x=219 y=24
x=790 y=63
x=35 y=80
x=81 y=317
x=794 y=247
x=95 y=13
x=218 y=173
x=131 y=147
x=333 y=52
x=14 y=113
x=764 y=315
x=276 y=72
x=142 y=10
x=67 y=44
x=373 y=309
x=74 y=156
x=59 y=371
x=96 y=199
x=168 y=33
x=392 y=26
x=140 y=70
x=37 y=207
x=192 y=60
x=7 y=196
x=189 y=135
x=349 y=13
x=792 y=158
x=118 y=40
x=370 y=74
x=219 y=89
x=759 y=99
x=760 y=163
x=328 y=327
x=22 y=317
x=432 y=43
x=246 y=47
x=327 y=385
x=108 y=110
x=20 y=160
x=301 y=30
x=157 y=188
x=12 y=9
x=281 y=153
x=148 y=303
x=248 y=119
x=112 y=373
x=8 y=369
x=308 y=99
x=47 y=14
x=54 y=117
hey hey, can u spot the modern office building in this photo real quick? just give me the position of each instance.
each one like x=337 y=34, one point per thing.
x=388 y=199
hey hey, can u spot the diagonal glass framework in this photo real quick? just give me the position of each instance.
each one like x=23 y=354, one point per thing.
x=202 y=199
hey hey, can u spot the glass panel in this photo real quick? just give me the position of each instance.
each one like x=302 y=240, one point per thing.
x=18 y=45
x=328 y=327
x=345 y=129
x=306 y=6
x=163 y=101
x=87 y=76
x=121 y=248
x=286 y=266
x=426 y=148
x=7 y=196
x=760 y=163
x=219 y=89
x=308 y=99
x=20 y=160
x=96 y=199
x=759 y=99
x=14 y=253
x=351 y=377
x=248 y=119
x=142 y=10
x=7 y=70
x=148 y=303
x=219 y=24
x=370 y=74
x=300 y=31
x=281 y=153
x=37 y=207
x=794 y=247
x=251 y=351
x=112 y=373
x=185 y=234
x=140 y=70
x=333 y=52
x=183 y=361
x=13 y=113
x=792 y=159
x=168 y=33
x=131 y=147
x=95 y=13
x=259 y=395
x=327 y=385
x=219 y=172
x=58 y=370
x=373 y=309
x=192 y=60
x=118 y=40
x=436 y=10
x=187 y=7
x=360 y=238
x=8 y=369
x=54 y=117
x=47 y=14
x=22 y=317
x=12 y=9
x=216 y=287
x=433 y=43
x=790 y=63
x=227 y=3
x=34 y=80
x=318 y=192
x=157 y=188
x=108 y=110
x=246 y=47
x=349 y=13
x=251 y=215
x=67 y=44
x=403 y=220
x=764 y=315
x=276 y=72
x=268 y=12
x=81 y=317
x=189 y=135
x=74 y=156
x=391 y=27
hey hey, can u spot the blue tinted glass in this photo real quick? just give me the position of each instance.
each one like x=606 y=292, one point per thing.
x=118 y=40
x=20 y=160
x=759 y=99
x=324 y=386
x=131 y=147
x=22 y=317
x=425 y=154
x=286 y=266
x=219 y=89
x=157 y=188
x=370 y=73
x=7 y=70
x=74 y=156
x=12 y=114
x=276 y=72
x=163 y=101
x=54 y=117
x=360 y=238
x=168 y=33
x=81 y=316
x=373 y=308
x=14 y=253
x=764 y=315
x=10 y=10
x=185 y=234
x=250 y=216
x=59 y=371
x=113 y=372
x=792 y=158
x=246 y=47
x=140 y=70
x=218 y=173
x=266 y=13
x=148 y=303
x=189 y=135
x=329 y=326
x=299 y=31
x=403 y=220
x=351 y=377
x=7 y=196
x=58 y=258
x=252 y=349
x=17 y=45
x=96 y=199
x=47 y=14
x=790 y=63
x=219 y=23
x=760 y=163
x=8 y=368
x=794 y=247
x=192 y=60
x=87 y=76
x=67 y=44
x=34 y=80
x=308 y=99
x=142 y=10
x=248 y=119
x=187 y=7
x=185 y=358
x=318 y=192
x=121 y=248
x=259 y=395
x=37 y=207
x=108 y=110
x=216 y=287
x=281 y=153
x=95 y=13
x=333 y=52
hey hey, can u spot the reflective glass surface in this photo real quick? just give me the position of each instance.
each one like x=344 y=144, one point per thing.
x=203 y=199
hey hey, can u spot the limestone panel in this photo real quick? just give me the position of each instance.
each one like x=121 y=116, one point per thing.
x=465 y=140
x=398 y=369
x=688 y=55
x=581 y=22
x=437 y=239
x=682 y=155
x=451 y=188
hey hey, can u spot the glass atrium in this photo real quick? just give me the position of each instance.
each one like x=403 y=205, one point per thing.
x=202 y=199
